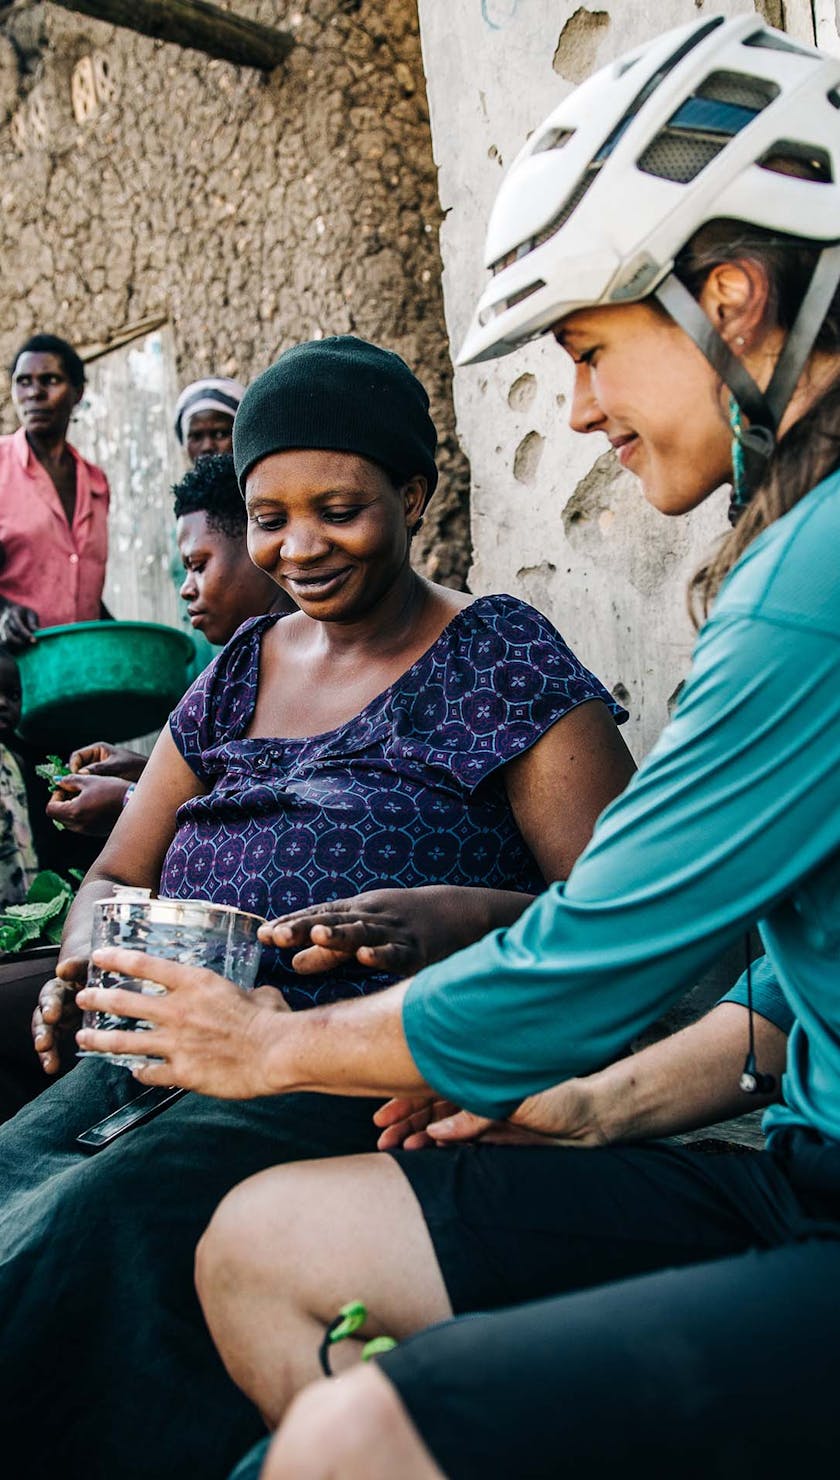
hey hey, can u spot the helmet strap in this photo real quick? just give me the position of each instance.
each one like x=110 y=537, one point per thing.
x=803 y=334
x=764 y=409
x=686 y=311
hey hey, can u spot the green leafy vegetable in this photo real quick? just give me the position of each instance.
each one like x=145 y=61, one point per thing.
x=40 y=919
x=53 y=770
x=16 y=934
x=47 y=886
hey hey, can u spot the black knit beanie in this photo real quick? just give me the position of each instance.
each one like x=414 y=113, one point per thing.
x=339 y=395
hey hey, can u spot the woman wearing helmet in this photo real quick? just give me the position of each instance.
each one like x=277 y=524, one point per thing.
x=648 y=225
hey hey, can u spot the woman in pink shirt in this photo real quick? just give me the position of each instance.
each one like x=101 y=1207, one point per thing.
x=53 y=503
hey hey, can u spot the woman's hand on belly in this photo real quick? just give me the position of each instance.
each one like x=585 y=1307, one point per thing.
x=393 y=930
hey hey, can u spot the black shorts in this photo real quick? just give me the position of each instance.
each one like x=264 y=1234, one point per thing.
x=646 y=1361
x=514 y=1223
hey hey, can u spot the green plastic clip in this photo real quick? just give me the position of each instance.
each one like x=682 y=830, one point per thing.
x=349 y=1320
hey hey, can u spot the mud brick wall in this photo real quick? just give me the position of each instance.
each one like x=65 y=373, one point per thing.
x=139 y=179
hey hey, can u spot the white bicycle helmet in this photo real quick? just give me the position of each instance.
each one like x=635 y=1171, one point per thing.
x=621 y=175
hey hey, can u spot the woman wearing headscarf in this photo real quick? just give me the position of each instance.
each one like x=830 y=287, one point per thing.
x=222 y=588
x=392 y=737
x=204 y=414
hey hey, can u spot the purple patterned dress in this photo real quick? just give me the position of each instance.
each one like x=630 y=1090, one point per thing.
x=408 y=792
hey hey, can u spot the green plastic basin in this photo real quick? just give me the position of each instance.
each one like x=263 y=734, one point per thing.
x=101 y=681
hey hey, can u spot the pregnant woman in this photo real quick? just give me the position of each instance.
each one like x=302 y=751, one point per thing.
x=447 y=756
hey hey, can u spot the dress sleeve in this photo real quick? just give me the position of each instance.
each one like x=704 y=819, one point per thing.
x=505 y=680
x=768 y=999
x=191 y=721
x=218 y=704
x=738 y=802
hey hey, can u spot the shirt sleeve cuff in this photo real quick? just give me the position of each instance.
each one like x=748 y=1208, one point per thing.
x=768 y=999
x=450 y=1073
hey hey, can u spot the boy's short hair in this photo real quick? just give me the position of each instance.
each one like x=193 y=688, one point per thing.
x=210 y=487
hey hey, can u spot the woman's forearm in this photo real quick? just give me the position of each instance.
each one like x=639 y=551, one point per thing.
x=352 y=1048
x=675 y=1085
x=683 y=1082
x=98 y=884
x=464 y=914
x=135 y=850
x=75 y=938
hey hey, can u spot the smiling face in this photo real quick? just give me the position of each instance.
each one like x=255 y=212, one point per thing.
x=222 y=587
x=641 y=381
x=43 y=394
x=331 y=529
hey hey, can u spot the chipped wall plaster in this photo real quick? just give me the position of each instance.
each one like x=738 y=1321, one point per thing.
x=554 y=517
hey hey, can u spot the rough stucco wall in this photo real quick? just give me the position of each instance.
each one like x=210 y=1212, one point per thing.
x=555 y=519
x=827 y=24
x=251 y=211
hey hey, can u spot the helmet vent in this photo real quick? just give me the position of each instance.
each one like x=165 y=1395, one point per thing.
x=492 y=312
x=772 y=41
x=525 y=293
x=804 y=161
x=556 y=138
x=693 y=136
x=571 y=204
x=739 y=90
x=679 y=156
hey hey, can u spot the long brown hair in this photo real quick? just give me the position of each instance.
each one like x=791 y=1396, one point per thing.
x=810 y=449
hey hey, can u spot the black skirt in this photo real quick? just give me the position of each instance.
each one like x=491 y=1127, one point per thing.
x=108 y=1371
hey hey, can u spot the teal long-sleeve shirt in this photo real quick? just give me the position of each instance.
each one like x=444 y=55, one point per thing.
x=732 y=821
x=768 y=999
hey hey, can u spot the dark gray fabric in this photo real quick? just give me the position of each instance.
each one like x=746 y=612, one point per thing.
x=724 y=1371
x=250 y=1467
x=648 y=1360
x=514 y=1223
x=108 y=1371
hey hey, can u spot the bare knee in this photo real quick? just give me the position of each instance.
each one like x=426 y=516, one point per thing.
x=354 y=1426
x=241 y=1243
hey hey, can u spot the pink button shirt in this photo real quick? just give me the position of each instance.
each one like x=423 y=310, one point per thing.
x=56 y=568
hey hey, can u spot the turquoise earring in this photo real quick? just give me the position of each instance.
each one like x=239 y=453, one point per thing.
x=740 y=496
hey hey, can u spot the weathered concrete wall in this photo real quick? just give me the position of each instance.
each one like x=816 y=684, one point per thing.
x=138 y=180
x=554 y=517
x=827 y=24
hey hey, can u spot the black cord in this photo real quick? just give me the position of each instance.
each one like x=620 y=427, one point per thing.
x=751 y=1027
x=752 y=1081
x=324 y=1348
